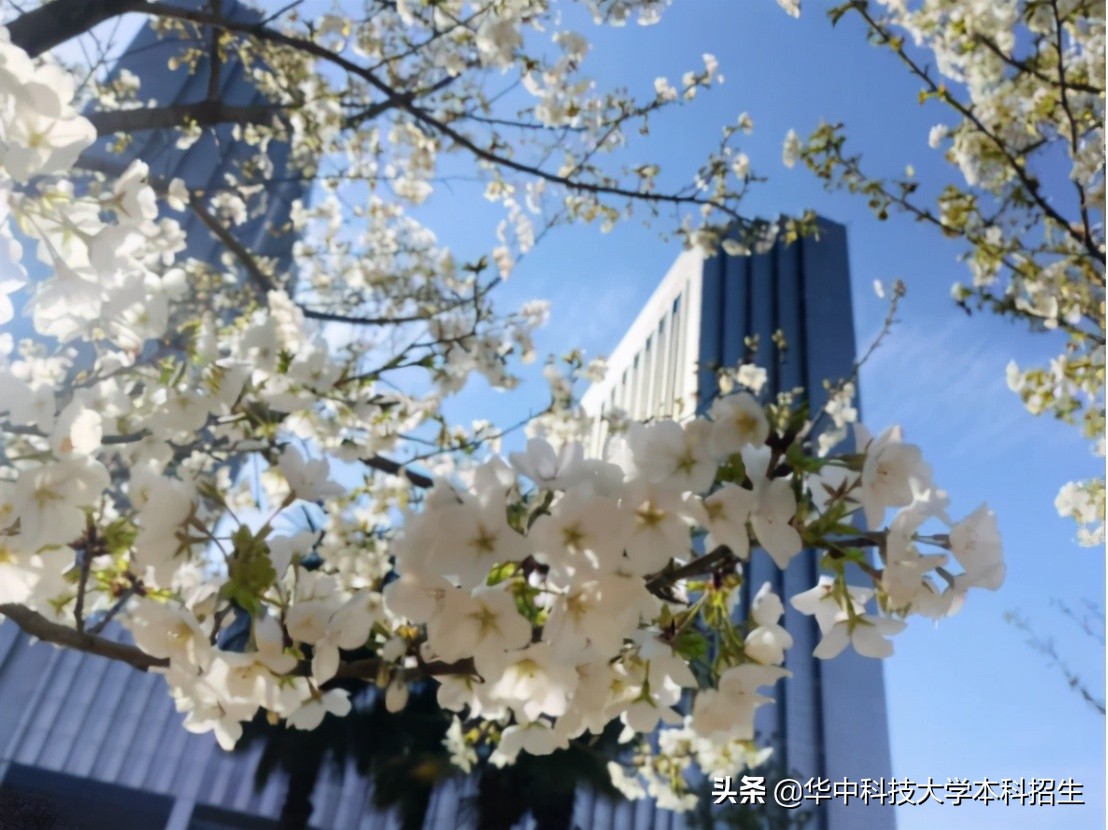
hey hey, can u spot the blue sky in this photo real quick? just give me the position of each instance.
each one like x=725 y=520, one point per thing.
x=966 y=698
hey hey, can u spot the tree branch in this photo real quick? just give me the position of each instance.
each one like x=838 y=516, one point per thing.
x=387 y=465
x=718 y=558
x=204 y=113
x=33 y=623
x=215 y=58
x=1030 y=184
x=353 y=319
x=264 y=281
x=37 y=625
x=1025 y=66
x=403 y=100
x=213 y=111
x=1063 y=91
x=1045 y=646
x=126 y=438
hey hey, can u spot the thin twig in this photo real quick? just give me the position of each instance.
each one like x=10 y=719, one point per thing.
x=115 y=609
x=718 y=558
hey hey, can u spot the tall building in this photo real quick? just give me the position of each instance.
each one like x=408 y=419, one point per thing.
x=829 y=719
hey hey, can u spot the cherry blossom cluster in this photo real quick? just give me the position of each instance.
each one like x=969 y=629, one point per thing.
x=553 y=594
x=154 y=379
x=550 y=608
x=1019 y=86
x=173 y=442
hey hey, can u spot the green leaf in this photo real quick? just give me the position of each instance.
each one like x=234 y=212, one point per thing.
x=501 y=572
x=249 y=572
x=692 y=645
x=119 y=536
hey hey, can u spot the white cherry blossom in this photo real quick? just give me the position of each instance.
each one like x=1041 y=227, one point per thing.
x=309 y=478
x=975 y=543
x=533 y=682
x=137 y=427
x=768 y=640
x=549 y=469
x=774 y=508
x=737 y=421
x=888 y=472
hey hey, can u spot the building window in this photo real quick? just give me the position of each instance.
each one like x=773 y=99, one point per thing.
x=658 y=403
x=633 y=391
x=674 y=387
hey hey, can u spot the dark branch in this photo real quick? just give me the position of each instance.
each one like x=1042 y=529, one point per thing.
x=387 y=465
x=1026 y=66
x=720 y=557
x=264 y=281
x=33 y=623
x=403 y=100
x=204 y=113
x=38 y=626
x=1030 y=185
x=353 y=319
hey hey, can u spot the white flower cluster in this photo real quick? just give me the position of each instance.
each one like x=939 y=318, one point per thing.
x=150 y=381
x=556 y=610
x=1022 y=85
x=605 y=590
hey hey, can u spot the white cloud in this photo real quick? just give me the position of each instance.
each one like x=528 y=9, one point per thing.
x=946 y=386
